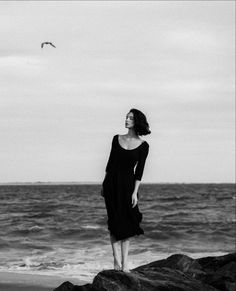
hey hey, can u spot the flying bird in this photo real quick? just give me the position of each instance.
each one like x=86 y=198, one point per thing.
x=46 y=42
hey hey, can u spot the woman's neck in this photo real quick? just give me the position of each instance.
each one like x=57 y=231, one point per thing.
x=131 y=133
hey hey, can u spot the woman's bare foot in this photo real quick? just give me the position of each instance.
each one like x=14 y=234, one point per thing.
x=117 y=265
x=125 y=269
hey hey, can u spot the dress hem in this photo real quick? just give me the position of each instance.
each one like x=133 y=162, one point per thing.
x=118 y=238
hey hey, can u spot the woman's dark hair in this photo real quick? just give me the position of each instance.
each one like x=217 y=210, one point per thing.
x=141 y=126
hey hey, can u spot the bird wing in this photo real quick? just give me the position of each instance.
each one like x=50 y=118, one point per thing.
x=46 y=42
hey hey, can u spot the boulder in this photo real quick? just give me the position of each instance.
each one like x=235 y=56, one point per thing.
x=175 y=273
x=219 y=271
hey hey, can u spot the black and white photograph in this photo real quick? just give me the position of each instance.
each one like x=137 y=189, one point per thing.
x=117 y=145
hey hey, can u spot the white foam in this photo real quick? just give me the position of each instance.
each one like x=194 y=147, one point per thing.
x=91 y=226
x=35 y=228
x=84 y=264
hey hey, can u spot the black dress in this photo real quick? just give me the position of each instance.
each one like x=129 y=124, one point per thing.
x=118 y=185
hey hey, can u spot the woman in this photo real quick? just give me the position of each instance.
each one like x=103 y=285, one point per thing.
x=121 y=184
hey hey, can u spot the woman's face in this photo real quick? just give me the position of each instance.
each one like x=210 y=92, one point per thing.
x=129 y=120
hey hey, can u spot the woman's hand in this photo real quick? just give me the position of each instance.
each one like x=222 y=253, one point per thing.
x=134 y=200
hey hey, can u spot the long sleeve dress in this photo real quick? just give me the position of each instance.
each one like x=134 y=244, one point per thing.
x=123 y=168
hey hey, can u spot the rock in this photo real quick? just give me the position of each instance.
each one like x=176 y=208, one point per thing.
x=179 y=262
x=87 y=287
x=219 y=271
x=176 y=273
x=66 y=286
x=230 y=286
x=149 y=280
x=214 y=263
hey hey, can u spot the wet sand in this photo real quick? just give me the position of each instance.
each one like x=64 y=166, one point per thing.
x=17 y=287
x=27 y=282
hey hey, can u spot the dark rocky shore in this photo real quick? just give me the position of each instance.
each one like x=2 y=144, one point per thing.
x=176 y=273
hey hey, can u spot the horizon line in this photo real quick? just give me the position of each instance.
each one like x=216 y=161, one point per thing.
x=99 y=182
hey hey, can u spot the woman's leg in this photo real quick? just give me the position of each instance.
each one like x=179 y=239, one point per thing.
x=115 y=245
x=124 y=254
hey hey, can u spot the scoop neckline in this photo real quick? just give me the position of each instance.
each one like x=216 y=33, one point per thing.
x=127 y=149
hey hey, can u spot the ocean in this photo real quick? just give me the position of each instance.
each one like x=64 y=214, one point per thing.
x=62 y=229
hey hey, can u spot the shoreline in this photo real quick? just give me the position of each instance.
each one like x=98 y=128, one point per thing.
x=12 y=281
x=22 y=287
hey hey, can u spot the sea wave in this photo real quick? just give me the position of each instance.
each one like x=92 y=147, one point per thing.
x=36 y=228
x=62 y=229
x=86 y=269
x=91 y=226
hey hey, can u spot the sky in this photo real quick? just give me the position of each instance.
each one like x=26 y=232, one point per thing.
x=60 y=107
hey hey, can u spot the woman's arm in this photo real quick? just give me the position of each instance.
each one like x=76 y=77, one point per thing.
x=139 y=173
x=135 y=193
